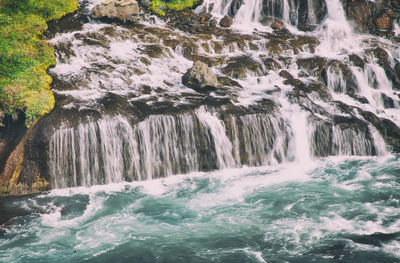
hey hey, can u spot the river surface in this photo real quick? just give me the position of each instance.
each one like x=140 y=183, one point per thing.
x=331 y=210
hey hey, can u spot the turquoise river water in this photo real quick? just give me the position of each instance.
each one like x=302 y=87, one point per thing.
x=332 y=210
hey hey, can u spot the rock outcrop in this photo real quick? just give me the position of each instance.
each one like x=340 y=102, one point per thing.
x=375 y=17
x=125 y=10
x=200 y=77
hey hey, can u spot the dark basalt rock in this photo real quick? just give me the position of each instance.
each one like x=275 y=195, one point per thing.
x=388 y=102
x=271 y=64
x=356 y=60
x=383 y=60
x=387 y=128
x=11 y=133
x=323 y=140
x=306 y=27
x=315 y=66
x=238 y=67
x=349 y=86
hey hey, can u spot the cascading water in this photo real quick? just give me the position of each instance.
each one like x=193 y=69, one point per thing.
x=112 y=150
x=289 y=160
x=164 y=145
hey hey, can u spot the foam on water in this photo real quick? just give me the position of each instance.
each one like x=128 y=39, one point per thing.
x=266 y=214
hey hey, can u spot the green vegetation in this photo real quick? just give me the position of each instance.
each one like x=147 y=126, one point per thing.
x=179 y=5
x=159 y=7
x=25 y=55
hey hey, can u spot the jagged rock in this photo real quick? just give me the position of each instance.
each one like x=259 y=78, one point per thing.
x=356 y=60
x=383 y=61
x=225 y=81
x=226 y=21
x=290 y=80
x=387 y=101
x=315 y=66
x=125 y=10
x=271 y=64
x=285 y=74
x=348 y=84
x=238 y=67
x=387 y=128
x=200 y=77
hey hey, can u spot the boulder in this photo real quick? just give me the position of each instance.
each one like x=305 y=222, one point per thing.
x=125 y=10
x=226 y=21
x=200 y=77
x=278 y=25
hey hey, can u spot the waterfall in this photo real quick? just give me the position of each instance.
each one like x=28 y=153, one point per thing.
x=335 y=32
x=249 y=14
x=112 y=150
x=262 y=115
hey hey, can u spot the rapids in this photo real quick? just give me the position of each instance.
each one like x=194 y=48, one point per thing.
x=337 y=209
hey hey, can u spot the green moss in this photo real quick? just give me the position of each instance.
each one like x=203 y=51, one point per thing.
x=159 y=7
x=179 y=5
x=25 y=55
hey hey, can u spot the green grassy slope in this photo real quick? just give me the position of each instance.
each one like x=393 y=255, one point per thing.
x=25 y=55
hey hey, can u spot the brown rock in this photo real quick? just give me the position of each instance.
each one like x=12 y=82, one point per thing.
x=226 y=21
x=359 y=12
x=278 y=25
x=384 y=22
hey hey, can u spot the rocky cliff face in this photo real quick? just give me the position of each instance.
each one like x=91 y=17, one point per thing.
x=375 y=17
x=134 y=100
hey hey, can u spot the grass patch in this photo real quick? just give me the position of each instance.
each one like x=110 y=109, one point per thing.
x=25 y=55
x=179 y=5
x=159 y=7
